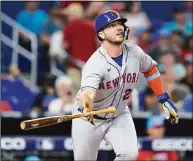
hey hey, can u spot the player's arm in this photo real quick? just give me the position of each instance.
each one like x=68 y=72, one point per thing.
x=154 y=81
x=86 y=98
x=92 y=74
x=152 y=75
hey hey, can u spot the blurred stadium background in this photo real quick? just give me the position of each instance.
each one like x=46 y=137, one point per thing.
x=43 y=48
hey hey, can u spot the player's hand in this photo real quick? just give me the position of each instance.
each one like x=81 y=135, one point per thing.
x=88 y=108
x=169 y=108
x=86 y=102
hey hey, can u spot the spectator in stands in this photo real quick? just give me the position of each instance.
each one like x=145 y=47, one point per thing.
x=155 y=127
x=168 y=78
x=178 y=95
x=94 y=8
x=65 y=4
x=79 y=40
x=156 y=130
x=52 y=25
x=136 y=19
x=188 y=79
x=186 y=52
x=117 y=6
x=144 y=40
x=179 y=23
x=169 y=61
x=14 y=72
x=177 y=38
x=64 y=102
x=177 y=90
x=162 y=45
x=32 y=19
x=189 y=10
x=149 y=102
x=188 y=103
x=46 y=95
x=57 y=53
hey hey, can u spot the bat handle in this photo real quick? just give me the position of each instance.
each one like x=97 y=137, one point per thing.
x=108 y=110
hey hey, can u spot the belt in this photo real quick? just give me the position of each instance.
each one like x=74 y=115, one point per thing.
x=102 y=118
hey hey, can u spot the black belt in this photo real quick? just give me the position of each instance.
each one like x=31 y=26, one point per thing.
x=102 y=118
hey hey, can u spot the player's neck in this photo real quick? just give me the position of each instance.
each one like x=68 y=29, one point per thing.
x=112 y=50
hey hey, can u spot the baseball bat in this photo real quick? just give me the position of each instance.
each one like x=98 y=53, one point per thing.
x=47 y=121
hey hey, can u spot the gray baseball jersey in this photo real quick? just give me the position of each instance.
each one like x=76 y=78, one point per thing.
x=114 y=84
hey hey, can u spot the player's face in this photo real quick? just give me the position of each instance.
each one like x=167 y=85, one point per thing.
x=114 y=33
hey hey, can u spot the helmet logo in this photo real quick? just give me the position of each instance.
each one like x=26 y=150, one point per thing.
x=113 y=14
x=108 y=19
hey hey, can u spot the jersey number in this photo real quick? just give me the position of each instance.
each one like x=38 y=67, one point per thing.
x=127 y=94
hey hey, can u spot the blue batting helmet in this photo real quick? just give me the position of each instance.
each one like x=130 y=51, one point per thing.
x=107 y=18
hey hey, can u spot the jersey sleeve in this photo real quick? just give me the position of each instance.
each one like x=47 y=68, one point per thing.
x=146 y=62
x=91 y=75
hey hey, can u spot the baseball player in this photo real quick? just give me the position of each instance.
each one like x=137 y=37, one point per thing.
x=108 y=78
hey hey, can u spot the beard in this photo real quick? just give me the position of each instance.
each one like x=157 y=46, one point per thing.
x=114 y=42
